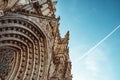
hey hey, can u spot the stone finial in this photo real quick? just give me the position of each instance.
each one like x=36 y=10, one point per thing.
x=54 y=3
x=67 y=35
x=58 y=18
x=66 y=38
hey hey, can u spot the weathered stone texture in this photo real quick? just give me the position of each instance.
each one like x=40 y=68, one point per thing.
x=30 y=44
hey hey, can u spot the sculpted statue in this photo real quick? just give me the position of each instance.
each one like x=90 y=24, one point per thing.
x=59 y=66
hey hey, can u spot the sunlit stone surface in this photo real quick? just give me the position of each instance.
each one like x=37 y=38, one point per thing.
x=30 y=44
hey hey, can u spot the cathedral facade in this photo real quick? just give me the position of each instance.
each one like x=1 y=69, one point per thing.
x=31 y=47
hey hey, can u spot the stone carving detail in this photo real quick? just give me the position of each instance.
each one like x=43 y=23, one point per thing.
x=31 y=47
x=59 y=66
x=20 y=34
x=7 y=4
x=6 y=62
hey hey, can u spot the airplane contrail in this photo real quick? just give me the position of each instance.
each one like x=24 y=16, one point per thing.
x=100 y=42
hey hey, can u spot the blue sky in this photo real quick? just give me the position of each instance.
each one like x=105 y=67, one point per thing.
x=89 y=21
